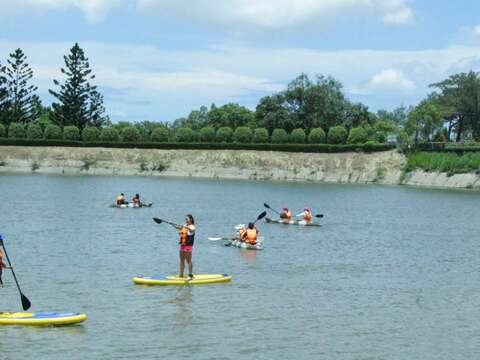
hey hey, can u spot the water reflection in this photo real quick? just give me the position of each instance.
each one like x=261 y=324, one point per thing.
x=182 y=300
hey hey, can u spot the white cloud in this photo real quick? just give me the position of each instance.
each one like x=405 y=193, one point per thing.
x=476 y=30
x=94 y=10
x=277 y=13
x=388 y=80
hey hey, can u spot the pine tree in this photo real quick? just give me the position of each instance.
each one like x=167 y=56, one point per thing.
x=21 y=96
x=3 y=95
x=79 y=103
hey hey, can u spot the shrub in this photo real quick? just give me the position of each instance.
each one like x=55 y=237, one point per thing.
x=224 y=134
x=337 y=135
x=184 y=135
x=90 y=133
x=381 y=137
x=109 y=134
x=16 y=131
x=207 y=134
x=357 y=135
x=298 y=136
x=3 y=131
x=279 y=136
x=260 y=136
x=52 y=132
x=34 y=131
x=130 y=134
x=317 y=136
x=243 y=135
x=71 y=133
x=369 y=142
x=160 y=134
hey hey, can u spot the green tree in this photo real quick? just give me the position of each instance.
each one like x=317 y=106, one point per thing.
x=78 y=102
x=230 y=115
x=297 y=136
x=21 y=98
x=224 y=134
x=16 y=131
x=196 y=120
x=260 y=136
x=243 y=135
x=423 y=121
x=317 y=136
x=3 y=131
x=109 y=134
x=357 y=135
x=337 y=135
x=184 y=135
x=34 y=131
x=130 y=134
x=160 y=134
x=52 y=132
x=207 y=134
x=3 y=95
x=90 y=133
x=71 y=133
x=279 y=136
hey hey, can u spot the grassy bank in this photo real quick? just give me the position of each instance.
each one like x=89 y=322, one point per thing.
x=450 y=163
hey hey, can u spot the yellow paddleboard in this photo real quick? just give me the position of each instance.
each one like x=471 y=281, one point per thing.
x=39 y=319
x=199 y=279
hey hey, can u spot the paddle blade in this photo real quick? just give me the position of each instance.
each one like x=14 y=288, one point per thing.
x=262 y=215
x=267 y=206
x=26 y=304
x=319 y=216
x=157 y=220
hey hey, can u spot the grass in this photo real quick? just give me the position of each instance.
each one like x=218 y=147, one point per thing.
x=449 y=163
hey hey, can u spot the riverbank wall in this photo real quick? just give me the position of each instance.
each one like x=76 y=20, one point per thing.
x=364 y=168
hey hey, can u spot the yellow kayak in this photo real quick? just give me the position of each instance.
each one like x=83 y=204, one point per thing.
x=41 y=319
x=200 y=279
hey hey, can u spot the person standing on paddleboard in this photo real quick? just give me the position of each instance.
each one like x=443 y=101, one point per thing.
x=187 y=238
x=2 y=266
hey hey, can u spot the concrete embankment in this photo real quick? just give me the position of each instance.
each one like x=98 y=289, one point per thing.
x=381 y=168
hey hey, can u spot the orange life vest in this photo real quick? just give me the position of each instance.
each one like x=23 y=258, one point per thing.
x=287 y=215
x=307 y=216
x=251 y=235
x=183 y=236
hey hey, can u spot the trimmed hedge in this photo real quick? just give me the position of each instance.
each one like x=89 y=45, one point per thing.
x=317 y=136
x=357 y=135
x=207 y=134
x=337 y=135
x=3 y=131
x=90 y=133
x=184 y=135
x=224 y=134
x=16 y=131
x=109 y=134
x=34 y=131
x=243 y=135
x=160 y=134
x=307 y=148
x=52 y=132
x=130 y=134
x=71 y=133
x=279 y=136
x=260 y=136
x=298 y=136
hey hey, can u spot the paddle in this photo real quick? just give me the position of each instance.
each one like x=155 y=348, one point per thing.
x=269 y=208
x=160 y=221
x=25 y=302
x=319 y=216
x=259 y=217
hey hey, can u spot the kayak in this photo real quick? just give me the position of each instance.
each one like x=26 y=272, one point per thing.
x=200 y=279
x=291 y=222
x=244 y=245
x=41 y=319
x=131 y=205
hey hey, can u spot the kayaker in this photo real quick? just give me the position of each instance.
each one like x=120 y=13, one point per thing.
x=306 y=214
x=2 y=266
x=250 y=236
x=286 y=215
x=136 y=200
x=121 y=199
x=187 y=238
x=241 y=229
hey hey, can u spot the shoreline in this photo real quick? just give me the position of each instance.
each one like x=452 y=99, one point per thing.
x=385 y=168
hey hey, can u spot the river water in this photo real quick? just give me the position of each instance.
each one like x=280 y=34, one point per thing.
x=392 y=274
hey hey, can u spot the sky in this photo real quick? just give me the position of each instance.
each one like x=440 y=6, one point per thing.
x=159 y=59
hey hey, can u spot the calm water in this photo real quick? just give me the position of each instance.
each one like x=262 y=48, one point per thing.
x=393 y=274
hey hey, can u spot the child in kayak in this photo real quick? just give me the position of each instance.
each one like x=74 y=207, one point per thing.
x=2 y=266
x=136 y=200
x=121 y=199
x=241 y=229
x=250 y=236
x=306 y=214
x=187 y=238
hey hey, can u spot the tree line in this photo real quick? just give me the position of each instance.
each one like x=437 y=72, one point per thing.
x=307 y=110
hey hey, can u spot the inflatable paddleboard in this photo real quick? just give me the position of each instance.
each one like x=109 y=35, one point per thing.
x=199 y=279
x=41 y=319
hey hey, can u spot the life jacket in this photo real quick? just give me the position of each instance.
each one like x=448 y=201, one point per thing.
x=251 y=236
x=186 y=238
x=287 y=215
x=307 y=216
x=120 y=200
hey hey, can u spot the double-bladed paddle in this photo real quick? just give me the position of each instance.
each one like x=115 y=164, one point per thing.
x=25 y=302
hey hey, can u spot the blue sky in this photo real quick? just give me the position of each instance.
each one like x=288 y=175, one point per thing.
x=159 y=59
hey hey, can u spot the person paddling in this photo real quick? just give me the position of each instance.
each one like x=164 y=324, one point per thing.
x=306 y=214
x=187 y=238
x=250 y=236
x=286 y=215
x=121 y=199
x=2 y=266
x=136 y=200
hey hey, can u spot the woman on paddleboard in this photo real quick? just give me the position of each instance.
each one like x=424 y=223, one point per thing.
x=2 y=266
x=187 y=238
